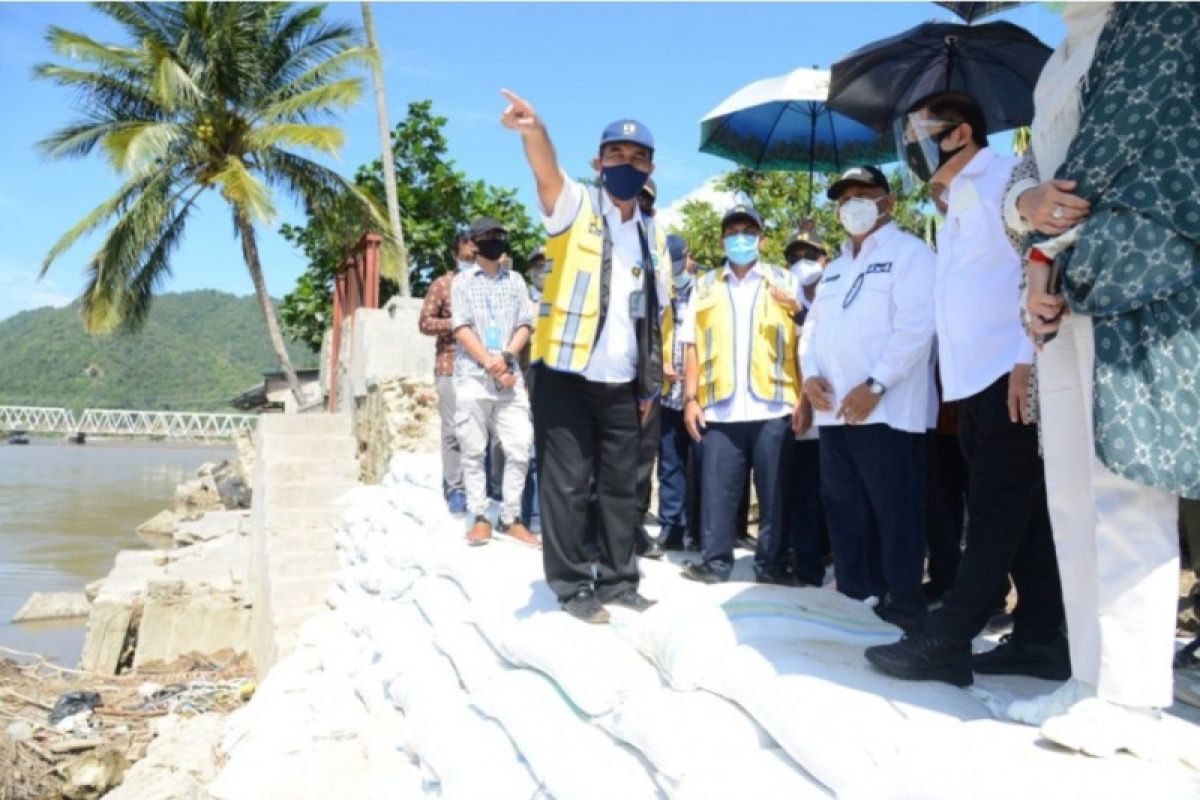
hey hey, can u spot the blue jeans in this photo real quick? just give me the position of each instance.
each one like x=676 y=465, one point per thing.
x=529 y=500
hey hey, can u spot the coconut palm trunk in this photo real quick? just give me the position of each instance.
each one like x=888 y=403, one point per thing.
x=254 y=267
x=385 y=148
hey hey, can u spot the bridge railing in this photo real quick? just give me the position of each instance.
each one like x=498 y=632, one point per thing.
x=119 y=422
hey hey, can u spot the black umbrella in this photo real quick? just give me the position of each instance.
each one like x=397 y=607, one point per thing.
x=997 y=63
x=973 y=12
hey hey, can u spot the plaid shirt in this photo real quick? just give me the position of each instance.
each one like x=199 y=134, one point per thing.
x=480 y=301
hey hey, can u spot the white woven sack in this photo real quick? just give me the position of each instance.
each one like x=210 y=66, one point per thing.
x=570 y=758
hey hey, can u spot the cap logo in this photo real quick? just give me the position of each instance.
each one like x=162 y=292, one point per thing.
x=629 y=129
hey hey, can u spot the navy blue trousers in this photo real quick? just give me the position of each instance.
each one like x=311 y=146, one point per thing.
x=873 y=486
x=804 y=520
x=674 y=449
x=731 y=450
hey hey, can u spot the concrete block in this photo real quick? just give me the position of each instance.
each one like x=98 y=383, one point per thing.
x=107 y=630
x=311 y=448
x=302 y=521
x=213 y=525
x=299 y=496
x=53 y=605
x=304 y=564
x=174 y=624
x=281 y=472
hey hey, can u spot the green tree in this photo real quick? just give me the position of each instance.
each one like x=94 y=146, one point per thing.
x=436 y=201
x=203 y=96
x=782 y=200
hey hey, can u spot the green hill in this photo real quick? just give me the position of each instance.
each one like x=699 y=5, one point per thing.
x=197 y=351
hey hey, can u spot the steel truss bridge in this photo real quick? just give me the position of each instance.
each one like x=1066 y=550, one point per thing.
x=117 y=422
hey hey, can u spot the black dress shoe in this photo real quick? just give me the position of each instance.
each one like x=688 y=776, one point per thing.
x=654 y=550
x=776 y=578
x=701 y=573
x=584 y=606
x=921 y=657
x=1013 y=657
x=632 y=600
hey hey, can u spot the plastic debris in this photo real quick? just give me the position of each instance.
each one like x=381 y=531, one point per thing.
x=72 y=703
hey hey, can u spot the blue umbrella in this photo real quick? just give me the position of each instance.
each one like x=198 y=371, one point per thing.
x=783 y=124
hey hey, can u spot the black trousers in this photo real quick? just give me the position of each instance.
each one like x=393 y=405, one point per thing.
x=1008 y=527
x=804 y=521
x=873 y=486
x=948 y=482
x=648 y=443
x=731 y=451
x=586 y=435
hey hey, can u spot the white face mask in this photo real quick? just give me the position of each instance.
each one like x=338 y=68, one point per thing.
x=539 y=278
x=858 y=215
x=463 y=265
x=807 y=271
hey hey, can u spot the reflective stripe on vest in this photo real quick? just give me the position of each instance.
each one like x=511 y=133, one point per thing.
x=772 y=370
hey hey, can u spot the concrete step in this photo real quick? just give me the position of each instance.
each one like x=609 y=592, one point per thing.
x=293 y=521
x=293 y=471
x=306 y=495
x=315 y=448
x=317 y=424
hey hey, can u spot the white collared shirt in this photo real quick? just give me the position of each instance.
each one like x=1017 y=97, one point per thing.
x=614 y=357
x=742 y=406
x=872 y=317
x=976 y=291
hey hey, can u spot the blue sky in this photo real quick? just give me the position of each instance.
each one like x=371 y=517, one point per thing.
x=676 y=61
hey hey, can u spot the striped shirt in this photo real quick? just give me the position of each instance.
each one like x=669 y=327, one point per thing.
x=484 y=303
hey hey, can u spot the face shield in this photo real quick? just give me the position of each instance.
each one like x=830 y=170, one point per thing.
x=918 y=147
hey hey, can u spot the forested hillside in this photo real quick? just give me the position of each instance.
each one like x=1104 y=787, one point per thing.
x=196 y=351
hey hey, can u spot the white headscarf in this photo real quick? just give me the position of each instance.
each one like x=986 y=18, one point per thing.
x=1056 y=97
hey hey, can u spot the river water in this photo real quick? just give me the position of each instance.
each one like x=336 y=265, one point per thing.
x=66 y=510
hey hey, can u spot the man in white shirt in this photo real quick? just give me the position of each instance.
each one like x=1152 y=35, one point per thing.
x=985 y=359
x=597 y=357
x=741 y=387
x=865 y=355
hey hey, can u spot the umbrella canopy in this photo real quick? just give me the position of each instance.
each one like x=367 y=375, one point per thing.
x=997 y=63
x=783 y=123
x=973 y=12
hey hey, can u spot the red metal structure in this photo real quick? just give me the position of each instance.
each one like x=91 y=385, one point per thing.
x=355 y=286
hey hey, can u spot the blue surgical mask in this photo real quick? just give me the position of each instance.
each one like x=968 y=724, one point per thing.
x=741 y=248
x=623 y=181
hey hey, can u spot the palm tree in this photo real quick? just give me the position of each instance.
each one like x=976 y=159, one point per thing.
x=385 y=146
x=207 y=96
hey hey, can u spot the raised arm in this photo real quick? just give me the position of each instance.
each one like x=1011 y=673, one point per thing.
x=520 y=117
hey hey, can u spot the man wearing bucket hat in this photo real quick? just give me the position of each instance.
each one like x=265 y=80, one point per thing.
x=597 y=355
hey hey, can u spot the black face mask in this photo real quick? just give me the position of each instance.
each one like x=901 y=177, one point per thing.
x=915 y=157
x=492 y=249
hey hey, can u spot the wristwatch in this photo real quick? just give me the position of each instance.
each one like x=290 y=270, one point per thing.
x=876 y=387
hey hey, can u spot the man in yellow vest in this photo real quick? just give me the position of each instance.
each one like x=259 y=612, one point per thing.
x=597 y=357
x=741 y=387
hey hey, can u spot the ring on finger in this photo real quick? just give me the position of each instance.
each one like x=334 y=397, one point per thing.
x=1058 y=212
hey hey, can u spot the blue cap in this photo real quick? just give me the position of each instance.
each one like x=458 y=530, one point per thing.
x=742 y=211
x=628 y=130
x=677 y=246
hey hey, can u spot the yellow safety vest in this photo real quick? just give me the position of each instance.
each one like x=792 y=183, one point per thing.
x=773 y=376
x=569 y=314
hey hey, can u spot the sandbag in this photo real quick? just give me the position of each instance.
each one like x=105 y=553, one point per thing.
x=993 y=760
x=590 y=663
x=834 y=714
x=679 y=732
x=760 y=774
x=570 y=758
x=475 y=662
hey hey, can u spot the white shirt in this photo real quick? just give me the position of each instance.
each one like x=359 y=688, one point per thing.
x=883 y=329
x=742 y=405
x=1056 y=99
x=614 y=357
x=976 y=291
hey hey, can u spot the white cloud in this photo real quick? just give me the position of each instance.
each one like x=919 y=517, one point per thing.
x=20 y=290
x=707 y=192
